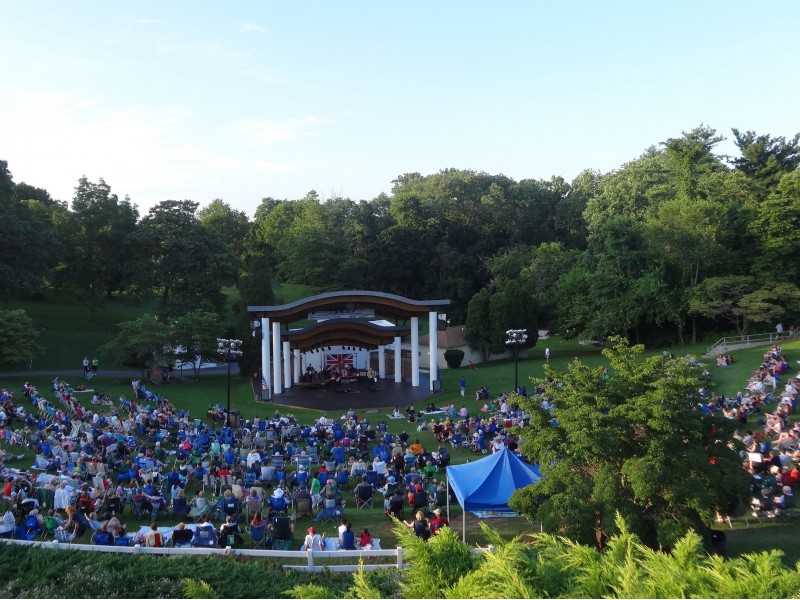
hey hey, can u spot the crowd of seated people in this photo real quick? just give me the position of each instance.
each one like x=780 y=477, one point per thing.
x=770 y=448
x=139 y=456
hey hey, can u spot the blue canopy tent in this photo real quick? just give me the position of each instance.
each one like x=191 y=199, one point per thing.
x=484 y=487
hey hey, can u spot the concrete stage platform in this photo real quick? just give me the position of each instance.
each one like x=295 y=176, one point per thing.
x=359 y=397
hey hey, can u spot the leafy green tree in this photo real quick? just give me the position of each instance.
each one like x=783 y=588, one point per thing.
x=741 y=301
x=629 y=191
x=478 y=328
x=689 y=160
x=231 y=224
x=28 y=233
x=634 y=445
x=96 y=236
x=765 y=158
x=195 y=334
x=776 y=226
x=181 y=260
x=18 y=335
x=141 y=344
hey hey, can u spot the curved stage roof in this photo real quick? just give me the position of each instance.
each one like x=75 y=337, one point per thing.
x=347 y=322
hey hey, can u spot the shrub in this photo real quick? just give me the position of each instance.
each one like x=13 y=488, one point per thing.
x=453 y=357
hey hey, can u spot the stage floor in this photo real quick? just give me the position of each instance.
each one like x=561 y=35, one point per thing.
x=360 y=397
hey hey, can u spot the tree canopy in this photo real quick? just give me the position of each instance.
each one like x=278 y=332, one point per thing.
x=635 y=443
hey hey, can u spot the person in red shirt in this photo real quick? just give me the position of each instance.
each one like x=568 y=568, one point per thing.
x=438 y=521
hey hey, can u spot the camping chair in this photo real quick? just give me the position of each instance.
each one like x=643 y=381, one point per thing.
x=204 y=538
x=282 y=534
x=258 y=537
x=253 y=506
x=420 y=501
x=456 y=440
x=32 y=528
x=209 y=480
x=102 y=538
x=342 y=480
x=113 y=505
x=45 y=497
x=431 y=471
x=277 y=506
x=303 y=461
x=397 y=507
x=302 y=507
x=50 y=526
x=363 y=495
x=156 y=503
x=197 y=514
x=182 y=538
x=331 y=513
x=139 y=507
x=180 y=507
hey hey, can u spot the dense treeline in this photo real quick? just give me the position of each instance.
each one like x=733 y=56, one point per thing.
x=677 y=243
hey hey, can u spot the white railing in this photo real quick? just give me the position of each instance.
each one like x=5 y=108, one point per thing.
x=745 y=340
x=309 y=556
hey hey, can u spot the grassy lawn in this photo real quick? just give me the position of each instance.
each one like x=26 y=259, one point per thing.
x=68 y=333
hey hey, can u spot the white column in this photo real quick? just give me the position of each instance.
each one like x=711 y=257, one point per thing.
x=398 y=370
x=297 y=367
x=381 y=362
x=265 y=356
x=276 y=358
x=287 y=365
x=415 y=351
x=433 y=346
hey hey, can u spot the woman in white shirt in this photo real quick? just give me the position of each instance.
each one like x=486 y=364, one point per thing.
x=62 y=497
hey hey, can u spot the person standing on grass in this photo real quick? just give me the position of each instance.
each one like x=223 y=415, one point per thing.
x=95 y=362
x=547 y=354
x=85 y=366
x=463 y=385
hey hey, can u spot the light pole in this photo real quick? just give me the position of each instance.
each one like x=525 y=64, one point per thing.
x=228 y=349
x=516 y=338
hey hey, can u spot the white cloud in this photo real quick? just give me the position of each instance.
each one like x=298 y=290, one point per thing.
x=251 y=27
x=51 y=139
x=269 y=132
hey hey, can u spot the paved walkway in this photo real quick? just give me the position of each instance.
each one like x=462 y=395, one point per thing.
x=187 y=372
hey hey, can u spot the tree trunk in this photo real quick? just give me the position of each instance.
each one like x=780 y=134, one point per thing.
x=694 y=330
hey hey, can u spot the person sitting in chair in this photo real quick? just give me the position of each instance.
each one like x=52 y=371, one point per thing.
x=154 y=538
x=182 y=537
x=786 y=499
x=226 y=530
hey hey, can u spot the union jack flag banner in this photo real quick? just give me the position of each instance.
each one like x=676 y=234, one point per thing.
x=264 y=385
x=338 y=360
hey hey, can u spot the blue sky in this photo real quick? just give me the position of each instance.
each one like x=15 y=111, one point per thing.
x=240 y=101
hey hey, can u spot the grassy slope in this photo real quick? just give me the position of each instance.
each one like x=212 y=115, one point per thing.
x=70 y=335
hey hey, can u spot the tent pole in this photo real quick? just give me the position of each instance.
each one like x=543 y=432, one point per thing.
x=464 y=525
x=447 y=483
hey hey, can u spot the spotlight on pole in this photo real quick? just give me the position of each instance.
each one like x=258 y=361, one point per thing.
x=516 y=339
x=229 y=350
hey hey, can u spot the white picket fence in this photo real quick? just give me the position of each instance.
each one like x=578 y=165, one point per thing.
x=310 y=557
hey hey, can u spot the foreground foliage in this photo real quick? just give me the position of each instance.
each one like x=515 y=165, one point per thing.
x=634 y=443
x=540 y=566
x=552 y=566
